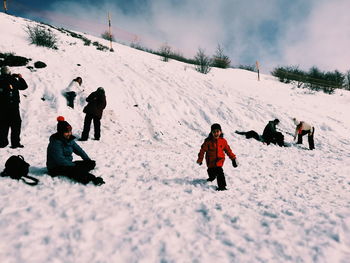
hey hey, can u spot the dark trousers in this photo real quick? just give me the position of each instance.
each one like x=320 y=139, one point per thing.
x=11 y=119
x=310 y=137
x=276 y=138
x=250 y=134
x=70 y=96
x=79 y=172
x=87 y=124
x=218 y=173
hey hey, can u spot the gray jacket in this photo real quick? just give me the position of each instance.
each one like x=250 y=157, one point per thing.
x=60 y=151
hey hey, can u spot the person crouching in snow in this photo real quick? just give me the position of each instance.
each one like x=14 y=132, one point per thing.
x=303 y=128
x=214 y=148
x=73 y=89
x=60 y=160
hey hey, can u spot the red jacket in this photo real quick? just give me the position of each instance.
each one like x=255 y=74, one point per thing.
x=215 y=150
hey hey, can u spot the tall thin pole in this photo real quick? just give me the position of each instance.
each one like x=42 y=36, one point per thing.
x=110 y=32
x=5 y=6
x=257 y=68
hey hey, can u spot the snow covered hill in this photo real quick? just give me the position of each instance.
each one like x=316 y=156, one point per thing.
x=283 y=204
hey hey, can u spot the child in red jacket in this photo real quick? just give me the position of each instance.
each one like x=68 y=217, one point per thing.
x=215 y=147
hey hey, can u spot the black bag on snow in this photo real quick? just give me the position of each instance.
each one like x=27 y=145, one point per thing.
x=17 y=168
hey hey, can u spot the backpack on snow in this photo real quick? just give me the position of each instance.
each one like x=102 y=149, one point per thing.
x=17 y=168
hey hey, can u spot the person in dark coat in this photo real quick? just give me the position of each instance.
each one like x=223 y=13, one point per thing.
x=271 y=135
x=250 y=134
x=96 y=104
x=10 y=117
x=60 y=151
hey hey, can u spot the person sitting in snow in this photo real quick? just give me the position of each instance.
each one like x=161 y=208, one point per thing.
x=214 y=148
x=303 y=128
x=73 y=89
x=96 y=104
x=271 y=135
x=60 y=160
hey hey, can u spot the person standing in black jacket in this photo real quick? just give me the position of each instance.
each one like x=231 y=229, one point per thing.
x=10 y=84
x=96 y=104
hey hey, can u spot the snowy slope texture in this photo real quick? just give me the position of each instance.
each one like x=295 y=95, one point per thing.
x=285 y=204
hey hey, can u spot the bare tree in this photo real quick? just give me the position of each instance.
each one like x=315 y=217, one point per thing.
x=106 y=35
x=347 y=80
x=165 y=52
x=41 y=36
x=202 y=61
x=220 y=60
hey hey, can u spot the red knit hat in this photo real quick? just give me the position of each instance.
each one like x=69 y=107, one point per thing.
x=62 y=125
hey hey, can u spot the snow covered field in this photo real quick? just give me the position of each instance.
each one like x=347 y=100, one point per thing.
x=282 y=204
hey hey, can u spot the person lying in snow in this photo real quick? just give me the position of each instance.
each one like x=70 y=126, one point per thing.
x=250 y=134
x=214 y=148
x=270 y=134
x=60 y=160
x=303 y=128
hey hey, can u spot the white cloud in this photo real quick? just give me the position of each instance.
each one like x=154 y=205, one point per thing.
x=323 y=40
x=276 y=32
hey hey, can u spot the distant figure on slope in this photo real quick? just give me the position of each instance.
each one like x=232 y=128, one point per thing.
x=214 y=148
x=303 y=128
x=250 y=134
x=271 y=135
x=10 y=117
x=73 y=89
x=96 y=104
x=60 y=160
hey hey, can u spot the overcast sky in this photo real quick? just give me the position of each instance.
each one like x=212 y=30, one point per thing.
x=274 y=32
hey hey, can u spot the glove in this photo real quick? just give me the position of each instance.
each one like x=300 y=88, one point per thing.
x=98 y=181
x=200 y=163
x=234 y=163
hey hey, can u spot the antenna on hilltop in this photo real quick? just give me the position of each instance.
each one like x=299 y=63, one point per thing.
x=5 y=6
x=110 y=33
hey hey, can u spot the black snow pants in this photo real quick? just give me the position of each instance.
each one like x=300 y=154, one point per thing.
x=218 y=173
x=87 y=124
x=79 y=172
x=310 y=137
x=250 y=134
x=70 y=96
x=10 y=118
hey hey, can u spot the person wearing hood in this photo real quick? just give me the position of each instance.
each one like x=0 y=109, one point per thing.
x=96 y=104
x=10 y=117
x=60 y=151
x=303 y=128
x=214 y=148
